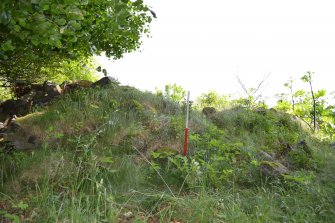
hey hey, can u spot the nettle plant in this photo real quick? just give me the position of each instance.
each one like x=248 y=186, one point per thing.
x=212 y=163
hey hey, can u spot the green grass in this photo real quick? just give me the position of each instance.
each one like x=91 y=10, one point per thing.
x=111 y=155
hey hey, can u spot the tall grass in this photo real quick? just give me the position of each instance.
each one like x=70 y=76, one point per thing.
x=89 y=168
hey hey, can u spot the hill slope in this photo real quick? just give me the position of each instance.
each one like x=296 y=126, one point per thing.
x=112 y=155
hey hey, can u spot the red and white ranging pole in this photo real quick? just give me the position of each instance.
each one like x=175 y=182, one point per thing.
x=186 y=128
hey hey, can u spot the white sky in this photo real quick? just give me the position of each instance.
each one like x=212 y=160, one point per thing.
x=202 y=45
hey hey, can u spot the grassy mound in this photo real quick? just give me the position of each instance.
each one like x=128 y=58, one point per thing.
x=113 y=155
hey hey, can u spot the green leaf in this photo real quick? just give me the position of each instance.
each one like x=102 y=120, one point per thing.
x=73 y=39
x=58 y=43
x=84 y=2
x=7 y=46
x=17 y=28
x=94 y=106
x=320 y=93
x=22 y=22
x=59 y=135
x=138 y=2
x=46 y=7
x=106 y=159
x=35 y=42
x=22 y=205
x=45 y=27
x=75 y=25
x=61 y=22
x=74 y=14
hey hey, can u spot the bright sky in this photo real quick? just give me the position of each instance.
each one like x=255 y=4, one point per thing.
x=202 y=45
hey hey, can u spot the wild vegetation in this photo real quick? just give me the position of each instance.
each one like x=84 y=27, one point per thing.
x=113 y=155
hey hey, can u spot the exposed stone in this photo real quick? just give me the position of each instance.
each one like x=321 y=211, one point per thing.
x=41 y=98
x=37 y=87
x=8 y=107
x=51 y=89
x=29 y=96
x=273 y=110
x=209 y=111
x=19 y=144
x=266 y=156
x=285 y=149
x=39 y=95
x=15 y=107
x=104 y=81
x=140 y=143
x=32 y=139
x=84 y=83
x=69 y=87
x=273 y=154
x=81 y=84
x=262 y=111
x=303 y=145
x=43 y=101
x=20 y=88
x=274 y=169
x=13 y=126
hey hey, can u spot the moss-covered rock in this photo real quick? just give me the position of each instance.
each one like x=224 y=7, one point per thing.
x=274 y=169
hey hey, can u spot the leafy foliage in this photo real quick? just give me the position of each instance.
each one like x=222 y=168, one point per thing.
x=173 y=92
x=282 y=103
x=253 y=96
x=310 y=107
x=308 y=78
x=213 y=99
x=40 y=34
x=71 y=70
x=289 y=85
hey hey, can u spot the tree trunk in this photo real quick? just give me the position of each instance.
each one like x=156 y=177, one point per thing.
x=292 y=98
x=314 y=106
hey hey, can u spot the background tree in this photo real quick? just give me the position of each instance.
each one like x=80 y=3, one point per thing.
x=38 y=35
x=314 y=108
x=175 y=93
x=213 y=99
x=282 y=103
x=289 y=85
x=308 y=78
x=253 y=95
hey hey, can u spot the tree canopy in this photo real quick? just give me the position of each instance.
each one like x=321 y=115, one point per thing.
x=39 y=34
